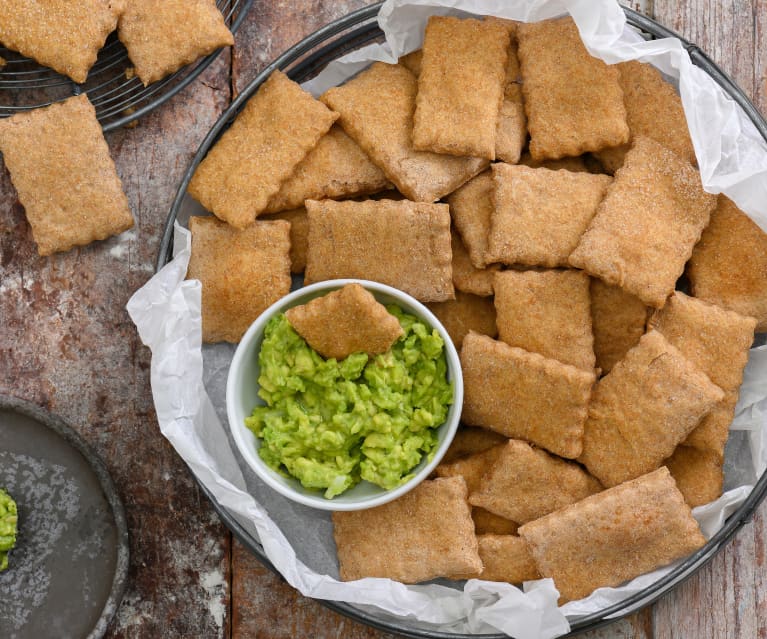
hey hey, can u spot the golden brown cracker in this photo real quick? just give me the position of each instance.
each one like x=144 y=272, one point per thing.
x=242 y=272
x=460 y=86
x=505 y=558
x=471 y=208
x=729 y=265
x=619 y=534
x=412 y=61
x=645 y=228
x=540 y=215
x=156 y=49
x=60 y=34
x=336 y=168
x=403 y=244
x=511 y=131
x=471 y=468
x=575 y=164
x=524 y=395
x=299 y=235
x=65 y=177
x=525 y=483
x=573 y=101
x=713 y=430
x=467 y=278
x=376 y=109
x=487 y=523
x=546 y=312
x=618 y=320
x=425 y=534
x=698 y=474
x=465 y=313
x=469 y=440
x=639 y=412
x=254 y=157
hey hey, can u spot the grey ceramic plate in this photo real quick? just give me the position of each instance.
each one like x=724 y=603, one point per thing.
x=68 y=570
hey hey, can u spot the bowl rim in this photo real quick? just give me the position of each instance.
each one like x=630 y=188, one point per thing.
x=243 y=438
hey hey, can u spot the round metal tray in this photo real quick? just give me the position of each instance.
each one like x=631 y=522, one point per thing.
x=301 y=62
x=118 y=98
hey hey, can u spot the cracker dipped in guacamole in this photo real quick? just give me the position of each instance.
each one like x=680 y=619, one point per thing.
x=331 y=423
x=8 y=522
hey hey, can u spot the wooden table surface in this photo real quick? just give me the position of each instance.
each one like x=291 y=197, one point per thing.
x=67 y=344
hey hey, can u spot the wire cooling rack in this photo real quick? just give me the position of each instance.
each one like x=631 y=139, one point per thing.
x=118 y=96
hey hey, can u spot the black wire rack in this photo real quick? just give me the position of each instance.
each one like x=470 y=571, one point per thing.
x=118 y=96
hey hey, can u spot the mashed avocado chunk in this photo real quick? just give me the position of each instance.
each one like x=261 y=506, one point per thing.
x=8 y=520
x=331 y=423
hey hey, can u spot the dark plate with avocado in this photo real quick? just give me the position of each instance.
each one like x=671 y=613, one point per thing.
x=66 y=573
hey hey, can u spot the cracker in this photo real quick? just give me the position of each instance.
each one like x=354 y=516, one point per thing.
x=254 y=156
x=618 y=320
x=157 y=50
x=60 y=34
x=460 y=86
x=546 y=312
x=242 y=272
x=471 y=468
x=60 y=165
x=346 y=321
x=729 y=265
x=467 y=278
x=574 y=164
x=524 y=395
x=645 y=228
x=698 y=474
x=466 y=313
x=336 y=168
x=425 y=534
x=299 y=236
x=648 y=404
x=412 y=61
x=540 y=215
x=653 y=109
x=471 y=208
x=403 y=244
x=505 y=558
x=511 y=131
x=468 y=441
x=487 y=523
x=713 y=430
x=376 y=109
x=525 y=483
x=573 y=101
x=619 y=534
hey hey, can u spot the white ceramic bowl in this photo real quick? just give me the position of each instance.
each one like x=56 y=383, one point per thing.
x=242 y=396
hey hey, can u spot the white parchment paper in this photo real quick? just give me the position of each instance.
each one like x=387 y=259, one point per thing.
x=188 y=381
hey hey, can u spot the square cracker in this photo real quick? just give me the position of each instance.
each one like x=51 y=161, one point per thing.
x=698 y=474
x=525 y=483
x=539 y=214
x=254 y=157
x=639 y=412
x=403 y=244
x=465 y=313
x=376 y=109
x=156 y=50
x=619 y=534
x=467 y=278
x=573 y=101
x=242 y=272
x=729 y=265
x=425 y=534
x=524 y=395
x=471 y=468
x=645 y=229
x=349 y=320
x=505 y=558
x=468 y=441
x=546 y=312
x=653 y=109
x=471 y=208
x=336 y=168
x=60 y=165
x=460 y=86
x=299 y=235
x=618 y=320
x=61 y=34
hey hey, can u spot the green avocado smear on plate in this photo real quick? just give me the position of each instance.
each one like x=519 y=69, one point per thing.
x=331 y=424
x=8 y=520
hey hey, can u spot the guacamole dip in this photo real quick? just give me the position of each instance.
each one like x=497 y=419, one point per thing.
x=333 y=423
x=8 y=520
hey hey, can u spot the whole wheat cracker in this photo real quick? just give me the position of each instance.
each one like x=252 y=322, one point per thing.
x=471 y=468
x=471 y=208
x=487 y=523
x=506 y=558
x=698 y=474
x=469 y=440
x=465 y=313
x=466 y=277
x=299 y=235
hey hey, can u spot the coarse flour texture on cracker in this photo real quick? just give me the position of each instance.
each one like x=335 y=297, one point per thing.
x=60 y=165
x=403 y=244
x=466 y=277
x=242 y=273
x=299 y=235
x=504 y=558
x=471 y=208
x=465 y=313
x=254 y=157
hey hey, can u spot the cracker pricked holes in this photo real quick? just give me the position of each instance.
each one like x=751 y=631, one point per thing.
x=60 y=165
x=254 y=157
